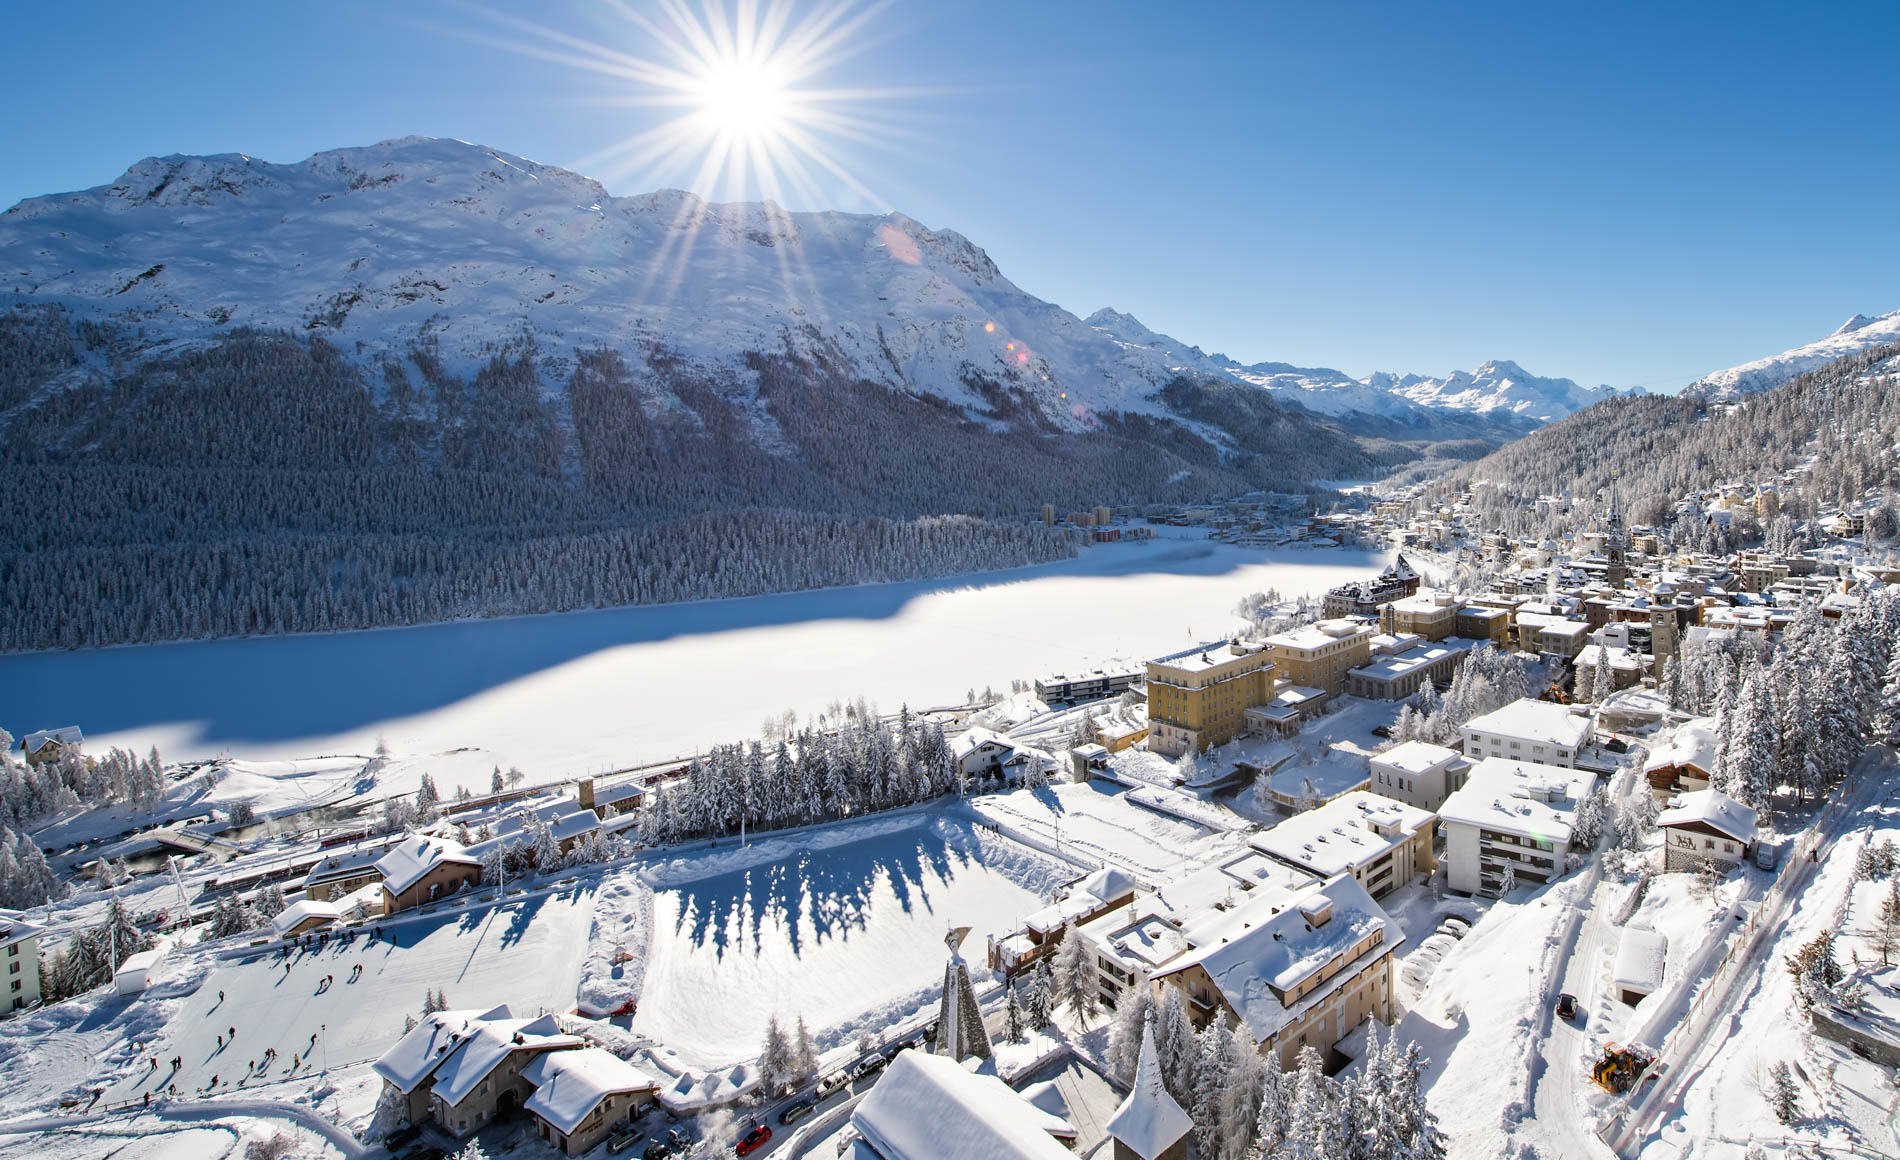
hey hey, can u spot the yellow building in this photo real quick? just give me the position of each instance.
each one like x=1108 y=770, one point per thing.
x=1431 y=613
x=1198 y=698
x=1319 y=656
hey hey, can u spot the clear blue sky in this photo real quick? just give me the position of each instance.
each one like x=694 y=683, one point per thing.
x=1622 y=194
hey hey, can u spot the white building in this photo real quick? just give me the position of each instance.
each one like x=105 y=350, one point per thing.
x=1419 y=773
x=20 y=951
x=1706 y=823
x=135 y=973
x=1510 y=813
x=981 y=752
x=1381 y=843
x=1527 y=730
x=1639 y=964
x=929 y=1107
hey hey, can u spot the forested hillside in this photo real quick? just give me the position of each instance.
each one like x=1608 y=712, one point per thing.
x=1840 y=423
x=263 y=484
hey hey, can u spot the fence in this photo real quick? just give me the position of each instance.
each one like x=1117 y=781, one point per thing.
x=1677 y=1049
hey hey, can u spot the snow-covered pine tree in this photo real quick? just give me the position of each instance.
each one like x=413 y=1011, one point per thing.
x=428 y=801
x=1174 y=1044
x=1417 y=1127
x=1210 y=1058
x=775 y=1062
x=1508 y=882
x=1242 y=1075
x=1124 y=1036
x=1042 y=994
x=804 y=1054
x=1603 y=681
x=1075 y=976
x=1015 y=1018
x=1782 y=1094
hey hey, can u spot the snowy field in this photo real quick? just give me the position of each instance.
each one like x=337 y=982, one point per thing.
x=526 y=954
x=843 y=928
x=1095 y=821
x=560 y=695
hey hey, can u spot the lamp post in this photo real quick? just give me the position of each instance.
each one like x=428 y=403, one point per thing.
x=323 y=1032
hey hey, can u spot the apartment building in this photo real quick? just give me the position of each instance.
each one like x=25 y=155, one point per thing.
x=20 y=951
x=1088 y=684
x=1306 y=974
x=1320 y=655
x=1527 y=730
x=1419 y=774
x=1399 y=675
x=1199 y=697
x=1512 y=813
x=1381 y=843
x=1430 y=613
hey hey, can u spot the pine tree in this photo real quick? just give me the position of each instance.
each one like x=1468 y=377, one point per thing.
x=804 y=1054
x=1243 y=1073
x=1604 y=678
x=1210 y=1061
x=776 y=1064
x=1124 y=1037
x=1783 y=1096
x=1174 y=1044
x=1886 y=935
x=1015 y=1029
x=428 y=801
x=1075 y=976
x=1042 y=994
x=1508 y=883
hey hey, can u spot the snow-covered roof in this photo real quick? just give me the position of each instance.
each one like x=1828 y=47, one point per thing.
x=348 y=863
x=1404 y=664
x=1149 y=1121
x=303 y=910
x=1640 y=958
x=411 y=860
x=1520 y=797
x=142 y=961
x=491 y=1042
x=14 y=928
x=973 y=738
x=415 y=1056
x=65 y=735
x=1714 y=809
x=1536 y=721
x=569 y=1085
x=1316 y=636
x=1693 y=744
x=1283 y=949
x=1107 y=884
x=1202 y=657
x=929 y=1107
x=1344 y=834
x=1416 y=757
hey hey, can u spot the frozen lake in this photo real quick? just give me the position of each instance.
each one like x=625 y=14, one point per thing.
x=849 y=936
x=567 y=693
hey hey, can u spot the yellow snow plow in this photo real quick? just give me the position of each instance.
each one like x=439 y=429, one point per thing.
x=1618 y=1069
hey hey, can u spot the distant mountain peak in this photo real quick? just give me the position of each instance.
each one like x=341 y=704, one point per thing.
x=1856 y=334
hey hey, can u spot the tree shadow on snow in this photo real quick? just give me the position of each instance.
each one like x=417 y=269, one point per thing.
x=831 y=891
x=283 y=688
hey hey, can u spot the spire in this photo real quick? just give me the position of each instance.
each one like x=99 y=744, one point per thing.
x=1149 y=1123
x=960 y=1030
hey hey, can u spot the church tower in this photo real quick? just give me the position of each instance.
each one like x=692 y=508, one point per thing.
x=960 y=1030
x=1616 y=542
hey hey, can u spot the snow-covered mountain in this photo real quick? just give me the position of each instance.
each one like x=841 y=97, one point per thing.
x=1498 y=389
x=1856 y=334
x=475 y=250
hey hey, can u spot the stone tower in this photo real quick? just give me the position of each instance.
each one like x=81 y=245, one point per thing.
x=960 y=1030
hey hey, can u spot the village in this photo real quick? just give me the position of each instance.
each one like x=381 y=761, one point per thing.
x=1583 y=778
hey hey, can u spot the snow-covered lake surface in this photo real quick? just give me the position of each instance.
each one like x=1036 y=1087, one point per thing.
x=848 y=935
x=565 y=694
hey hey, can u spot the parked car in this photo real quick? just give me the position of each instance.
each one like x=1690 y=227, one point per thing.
x=401 y=1136
x=658 y=1150
x=1382 y=730
x=1617 y=745
x=1767 y=854
x=797 y=1110
x=753 y=1140
x=834 y=1082
x=1566 y=1006
x=624 y=1139
x=870 y=1066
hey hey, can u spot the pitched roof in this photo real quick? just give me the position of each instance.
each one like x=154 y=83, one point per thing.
x=928 y=1107
x=1149 y=1120
x=65 y=735
x=569 y=1085
x=491 y=1042
x=410 y=861
x=1714 y=809
x=288 y=918
x=415 y=1056
x=1693 y=744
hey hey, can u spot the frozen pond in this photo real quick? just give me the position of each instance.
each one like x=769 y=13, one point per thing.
x=564 y=694
x=848 y=935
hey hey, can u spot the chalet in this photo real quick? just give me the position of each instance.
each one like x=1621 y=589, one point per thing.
x=419 y=870
x=582 y=1096
x=926 y=1107
x=52 y=744
x=345 y=871
x=980 y=753
x=1085 y=901
x=303 y=916
x=1686 y=760
x=1706 y=825
x=481 y=1081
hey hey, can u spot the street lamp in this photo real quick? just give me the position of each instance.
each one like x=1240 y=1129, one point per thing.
x=323 y=1032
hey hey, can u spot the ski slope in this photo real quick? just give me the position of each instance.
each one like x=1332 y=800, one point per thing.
x=526 y=954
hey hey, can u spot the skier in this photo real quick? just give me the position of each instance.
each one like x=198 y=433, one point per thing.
x=220 y=1043
x=234 y=1033
x=220 y=998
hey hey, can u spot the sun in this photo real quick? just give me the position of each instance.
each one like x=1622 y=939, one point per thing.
x=749 y=100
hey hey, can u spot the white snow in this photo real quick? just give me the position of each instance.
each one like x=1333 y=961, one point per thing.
x=566 y=694
x=846 y=933
x=1856 y=334
x=569 y=1085
x=929 y=1106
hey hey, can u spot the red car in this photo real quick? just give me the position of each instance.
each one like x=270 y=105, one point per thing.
x=754 y=1140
